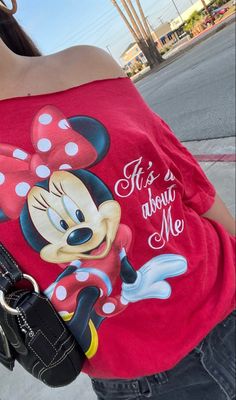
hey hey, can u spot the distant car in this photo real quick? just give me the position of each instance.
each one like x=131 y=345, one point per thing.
x=215 y=13
x=208 y=19
x=184 y=34
x=220 y=11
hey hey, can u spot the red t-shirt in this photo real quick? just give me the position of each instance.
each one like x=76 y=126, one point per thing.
x=102 y=205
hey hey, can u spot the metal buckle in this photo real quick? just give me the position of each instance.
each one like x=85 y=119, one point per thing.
x=6 y=347
x=3 y=302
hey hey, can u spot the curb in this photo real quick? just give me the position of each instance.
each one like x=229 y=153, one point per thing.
x=215 y=157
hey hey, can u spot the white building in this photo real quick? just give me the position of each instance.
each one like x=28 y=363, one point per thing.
x=198 y=6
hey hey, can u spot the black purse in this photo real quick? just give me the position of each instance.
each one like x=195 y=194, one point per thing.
x=32 y=332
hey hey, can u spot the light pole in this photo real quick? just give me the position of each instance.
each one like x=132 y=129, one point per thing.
x=175 y=5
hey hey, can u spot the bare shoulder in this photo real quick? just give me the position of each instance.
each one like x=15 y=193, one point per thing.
x=88 y=63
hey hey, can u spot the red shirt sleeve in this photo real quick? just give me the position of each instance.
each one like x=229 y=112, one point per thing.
x=198 y=191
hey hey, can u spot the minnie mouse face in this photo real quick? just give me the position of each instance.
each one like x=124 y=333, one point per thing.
x=71 y=215
x=67 y=217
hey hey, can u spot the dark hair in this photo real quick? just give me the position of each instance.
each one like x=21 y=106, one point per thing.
x=15 y=37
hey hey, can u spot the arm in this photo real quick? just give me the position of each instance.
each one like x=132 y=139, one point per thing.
x=219 y=213
x=198 y=192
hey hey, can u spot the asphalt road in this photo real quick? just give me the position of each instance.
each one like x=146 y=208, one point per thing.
x=195 y=94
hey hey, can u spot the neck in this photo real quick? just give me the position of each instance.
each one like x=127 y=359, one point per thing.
x=8 y=60
x=12 y=68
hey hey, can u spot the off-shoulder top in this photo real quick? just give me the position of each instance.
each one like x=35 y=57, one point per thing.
x=101 y=203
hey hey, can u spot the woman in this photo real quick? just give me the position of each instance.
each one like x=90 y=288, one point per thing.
x=97 y=192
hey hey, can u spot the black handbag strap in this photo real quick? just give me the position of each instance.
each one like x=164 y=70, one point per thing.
x=10 y=272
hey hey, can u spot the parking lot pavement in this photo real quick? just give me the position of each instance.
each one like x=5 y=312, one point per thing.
x=19 y=385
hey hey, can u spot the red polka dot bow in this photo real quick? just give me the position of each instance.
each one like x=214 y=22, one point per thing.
x=57 y=147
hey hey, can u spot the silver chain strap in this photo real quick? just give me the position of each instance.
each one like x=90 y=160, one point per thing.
x=23 y=324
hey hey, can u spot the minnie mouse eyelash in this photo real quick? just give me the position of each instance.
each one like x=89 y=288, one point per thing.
x=40 y=209
x=41 y=204
x=61 y=193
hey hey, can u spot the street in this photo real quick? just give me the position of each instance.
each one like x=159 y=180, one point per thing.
x=195 y=94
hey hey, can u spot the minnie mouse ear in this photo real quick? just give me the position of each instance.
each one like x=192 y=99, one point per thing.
x=93 y=131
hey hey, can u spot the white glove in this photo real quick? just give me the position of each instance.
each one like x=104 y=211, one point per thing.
x=150 y=282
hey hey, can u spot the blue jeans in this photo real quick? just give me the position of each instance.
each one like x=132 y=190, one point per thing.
x=207 y=373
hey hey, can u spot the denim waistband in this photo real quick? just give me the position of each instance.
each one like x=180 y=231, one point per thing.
x=144 y=386
x=140 y=386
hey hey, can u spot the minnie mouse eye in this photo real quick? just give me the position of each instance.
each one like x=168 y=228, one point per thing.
x=80 y=216
x=64 y=224
x=56 y=220
x=72 y=210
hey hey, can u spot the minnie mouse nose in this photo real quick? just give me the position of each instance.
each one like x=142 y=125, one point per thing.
x=79 y=236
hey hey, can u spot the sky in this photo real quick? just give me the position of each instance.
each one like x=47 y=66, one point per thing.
x=57 y=24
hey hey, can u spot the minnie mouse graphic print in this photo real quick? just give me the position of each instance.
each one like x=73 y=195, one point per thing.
x=72 y=218
x=103 y=211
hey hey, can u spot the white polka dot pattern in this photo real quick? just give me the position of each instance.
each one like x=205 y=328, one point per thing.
x=61 y=293
x=2 y=178
x=82 y=276
x=20 y=154
x=57 y=147
x=108 y=308
x=63 y=124
x=65 y=166
x=44 y=145
x=71 y=149
x=43 y=171
x=45 y=119
x=22 y=189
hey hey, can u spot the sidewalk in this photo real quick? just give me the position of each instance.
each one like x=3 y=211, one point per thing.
x=221 y=171
x=217 y=158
